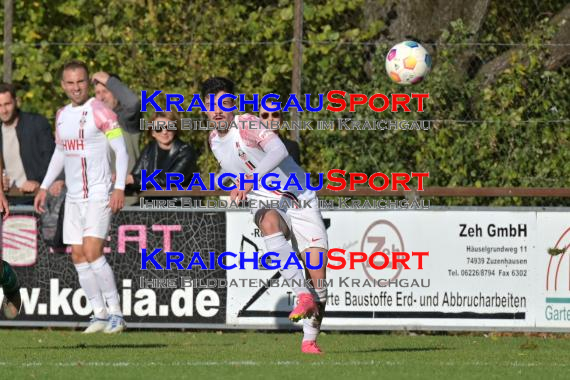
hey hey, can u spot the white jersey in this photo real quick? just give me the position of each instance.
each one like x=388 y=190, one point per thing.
x=80 y=133
x=241 y=150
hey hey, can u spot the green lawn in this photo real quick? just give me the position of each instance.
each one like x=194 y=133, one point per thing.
x=62 y=354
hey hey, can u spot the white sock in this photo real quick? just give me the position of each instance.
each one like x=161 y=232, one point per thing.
x=106 y=282
x=88 y=283
x=311 y=329
x=277 y=243
x=312 y=326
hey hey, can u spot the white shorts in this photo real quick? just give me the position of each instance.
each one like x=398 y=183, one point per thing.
x=86 y=218
x=307 y=226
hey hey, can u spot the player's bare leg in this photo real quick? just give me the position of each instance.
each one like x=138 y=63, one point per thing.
x=105 y=280
x=312 y=326
x=276 y=233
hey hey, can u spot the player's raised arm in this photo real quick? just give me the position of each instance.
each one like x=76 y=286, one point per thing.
x=266 y=140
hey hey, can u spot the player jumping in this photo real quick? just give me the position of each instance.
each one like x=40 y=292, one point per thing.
x=84 y=131
x=12 y=302
x=252 y=149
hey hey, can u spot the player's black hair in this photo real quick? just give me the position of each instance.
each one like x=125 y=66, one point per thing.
x=216 y=84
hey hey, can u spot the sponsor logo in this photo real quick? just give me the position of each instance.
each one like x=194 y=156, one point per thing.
x=382 y=236
x=73 y=144
x=558 y=281
x=19 y=240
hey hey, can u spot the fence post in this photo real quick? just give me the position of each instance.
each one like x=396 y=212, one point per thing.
x=8 y=20
x=297 y=62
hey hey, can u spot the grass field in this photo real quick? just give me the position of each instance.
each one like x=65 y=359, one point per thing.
x=63 y=354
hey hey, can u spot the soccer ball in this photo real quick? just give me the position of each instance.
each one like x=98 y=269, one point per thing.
x=408 y=63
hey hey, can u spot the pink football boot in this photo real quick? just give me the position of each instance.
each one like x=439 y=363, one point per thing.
x=306 y=308
x=310 y=347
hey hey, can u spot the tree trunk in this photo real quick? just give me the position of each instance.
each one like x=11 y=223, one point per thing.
x=558 y=55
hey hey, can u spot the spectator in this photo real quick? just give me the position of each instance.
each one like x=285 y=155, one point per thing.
x=26 y=145
x=166 y=152
x=110 y=90
x=276 y=116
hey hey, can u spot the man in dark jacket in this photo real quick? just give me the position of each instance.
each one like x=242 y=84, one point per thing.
x=26 y=145
x=118 y=97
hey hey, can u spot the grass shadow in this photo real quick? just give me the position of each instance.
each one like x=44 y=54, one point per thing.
x=95 y=346
x=114 y=346
x=397 y=349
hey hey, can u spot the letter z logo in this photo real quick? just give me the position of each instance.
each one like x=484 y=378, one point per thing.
x=381 y=236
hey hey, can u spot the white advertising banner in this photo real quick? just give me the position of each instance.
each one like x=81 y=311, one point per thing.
x=553 y=285
x=486 y=269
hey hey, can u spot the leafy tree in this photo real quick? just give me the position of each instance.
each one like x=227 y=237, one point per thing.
x=508 y=131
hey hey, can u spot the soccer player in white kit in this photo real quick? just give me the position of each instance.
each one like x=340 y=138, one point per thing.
x=85 y=129
x=249 y=149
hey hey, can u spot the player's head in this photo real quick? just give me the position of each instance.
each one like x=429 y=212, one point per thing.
x=103 y=94
x=75 y=82
x=218 y=86
x=270 y=117
x=164 y=137
x=8 y=105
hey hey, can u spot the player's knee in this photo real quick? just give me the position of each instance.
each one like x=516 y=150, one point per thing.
x=77 y=255
x=270 y=223
x=92 y=248
x=92 y=254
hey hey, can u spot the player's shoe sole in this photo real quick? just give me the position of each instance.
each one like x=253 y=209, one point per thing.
x=306 y=308
x=116 y=325
x=96 y=325
x=11 y=305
